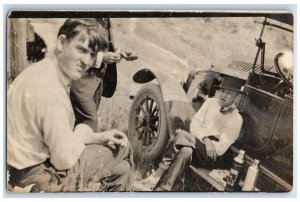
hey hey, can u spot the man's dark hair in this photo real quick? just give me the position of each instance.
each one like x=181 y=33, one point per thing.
x=97 y=36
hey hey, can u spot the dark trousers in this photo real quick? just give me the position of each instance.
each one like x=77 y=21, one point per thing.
x=184 y=150
x=98 y=169
x=86 y=111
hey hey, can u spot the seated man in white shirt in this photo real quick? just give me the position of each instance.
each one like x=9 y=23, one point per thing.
x=44 y=148
x=213 y=129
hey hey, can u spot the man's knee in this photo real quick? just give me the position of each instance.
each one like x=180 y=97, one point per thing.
x=126 y=168
x=184 y=135
x=186 y=152
x=123 y=174
x=122 y=171
x=184 y=139
x=182 y=132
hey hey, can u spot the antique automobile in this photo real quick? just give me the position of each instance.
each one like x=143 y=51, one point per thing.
x=266 y=105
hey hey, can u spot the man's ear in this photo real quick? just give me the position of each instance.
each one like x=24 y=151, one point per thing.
x=61 y=42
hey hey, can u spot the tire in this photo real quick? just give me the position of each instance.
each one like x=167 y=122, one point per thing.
x=148 y=128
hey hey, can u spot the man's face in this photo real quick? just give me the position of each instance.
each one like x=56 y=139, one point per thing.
x=76 y=57
x=226 y=97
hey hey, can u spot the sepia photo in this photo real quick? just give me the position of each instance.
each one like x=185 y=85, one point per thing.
x=150 y=101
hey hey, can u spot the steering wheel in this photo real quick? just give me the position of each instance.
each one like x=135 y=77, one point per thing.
x=284 y=69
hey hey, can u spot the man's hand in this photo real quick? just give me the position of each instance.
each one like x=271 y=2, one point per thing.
x=210 y=148
x=110 y=57
x=114 y=138
x=127 y=55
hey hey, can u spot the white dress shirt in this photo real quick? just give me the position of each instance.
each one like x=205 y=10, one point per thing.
x=40 y=119
x=209 y=121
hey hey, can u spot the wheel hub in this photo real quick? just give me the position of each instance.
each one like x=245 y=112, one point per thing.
x=147 y=119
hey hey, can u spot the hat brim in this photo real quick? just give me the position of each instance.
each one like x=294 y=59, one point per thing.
x=231 y=89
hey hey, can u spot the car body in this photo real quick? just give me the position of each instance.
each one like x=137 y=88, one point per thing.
x=266 y=106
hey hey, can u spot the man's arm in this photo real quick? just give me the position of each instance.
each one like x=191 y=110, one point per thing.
x=210 y=148
x=112 y=137
x=229 y=136
x=99 y=59
x=197 y=127
x=201 y=132
x=66 y=145
x=116 y=57
x=111 y=57
x=127 y=55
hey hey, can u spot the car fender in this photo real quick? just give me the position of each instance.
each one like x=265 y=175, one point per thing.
x=178 y=109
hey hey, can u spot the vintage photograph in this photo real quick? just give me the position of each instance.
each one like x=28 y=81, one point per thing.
x=149 y=101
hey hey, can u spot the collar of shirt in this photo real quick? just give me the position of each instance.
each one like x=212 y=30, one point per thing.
x=226 y=110
x=231 y=106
